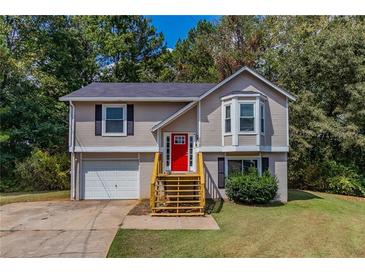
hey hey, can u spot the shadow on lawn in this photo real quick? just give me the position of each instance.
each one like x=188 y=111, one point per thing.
x=297 y=195
x=213 y=205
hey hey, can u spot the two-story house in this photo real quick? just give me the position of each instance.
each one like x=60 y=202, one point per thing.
x=175 y=143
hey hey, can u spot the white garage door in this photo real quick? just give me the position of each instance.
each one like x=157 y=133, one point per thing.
x=110 y=179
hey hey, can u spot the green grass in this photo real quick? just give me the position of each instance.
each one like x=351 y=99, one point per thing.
x=311 y=224
x=16 y=197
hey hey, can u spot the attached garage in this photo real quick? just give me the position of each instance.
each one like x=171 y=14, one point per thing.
x=110 y=179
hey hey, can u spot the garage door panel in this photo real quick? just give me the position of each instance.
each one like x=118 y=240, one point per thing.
x=110 y=179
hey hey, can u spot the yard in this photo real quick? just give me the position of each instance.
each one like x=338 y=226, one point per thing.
x=17 y=197
x=311 y=224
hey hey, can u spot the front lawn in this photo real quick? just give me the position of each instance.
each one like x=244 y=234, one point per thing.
x=311 y=224
x=17 y=197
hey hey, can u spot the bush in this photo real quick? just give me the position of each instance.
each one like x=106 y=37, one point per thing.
x=42 y=171
x=250 y=187
x=333 y=177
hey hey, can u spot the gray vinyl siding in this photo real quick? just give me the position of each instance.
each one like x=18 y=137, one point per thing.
x=277 y=167
x=246 y=140
x=146 y=115
x=185 y=123
x=275 y=114
x=227 y=140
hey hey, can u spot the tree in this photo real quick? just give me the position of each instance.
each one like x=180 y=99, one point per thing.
x=192 y=57
x=128 y=47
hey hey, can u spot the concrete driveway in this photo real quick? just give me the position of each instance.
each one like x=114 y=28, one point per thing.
x=60 y=228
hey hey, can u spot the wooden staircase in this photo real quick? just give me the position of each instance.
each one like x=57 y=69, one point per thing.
x=178 y=194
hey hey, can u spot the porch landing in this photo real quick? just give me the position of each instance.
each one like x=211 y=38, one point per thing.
x=169 y=223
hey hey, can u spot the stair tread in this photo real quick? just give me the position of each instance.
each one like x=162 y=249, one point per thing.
x=177 y=190
x=194 y=185
x=177 y=207
x=178 y=202
x=177 y=214
x=183 y=195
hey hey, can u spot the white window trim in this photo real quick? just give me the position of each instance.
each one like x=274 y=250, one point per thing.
x=262 y=104
x=103 y=123
x=224 y=105
x=254 y=131
x=258 y=158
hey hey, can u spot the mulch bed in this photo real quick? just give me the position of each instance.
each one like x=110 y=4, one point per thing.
x=142 y=208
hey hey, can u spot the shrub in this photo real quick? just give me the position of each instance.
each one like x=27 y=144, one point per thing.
x=250 y=187
x=42 y=171
x=346 y=185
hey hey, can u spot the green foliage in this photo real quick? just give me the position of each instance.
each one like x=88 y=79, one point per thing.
x=318 y=58
x=250 y=187
x=332 y=177
x=42 y=171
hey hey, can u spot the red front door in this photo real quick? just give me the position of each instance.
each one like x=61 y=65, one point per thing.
x=179 y=152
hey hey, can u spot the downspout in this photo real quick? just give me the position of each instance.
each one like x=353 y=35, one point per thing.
x=72 y=149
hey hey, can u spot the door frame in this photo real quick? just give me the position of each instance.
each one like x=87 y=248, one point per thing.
x=191 y=136
x=82 y=179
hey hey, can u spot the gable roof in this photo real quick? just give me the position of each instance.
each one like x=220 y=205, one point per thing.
x=174 y=116
x=158 y=91
x=262 y=78
x=139 y=91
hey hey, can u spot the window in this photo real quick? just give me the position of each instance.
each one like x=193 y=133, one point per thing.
x=247 y=117
x=240 y=165
x=227 y=119
x=262 y=118
x=191 y=145
x=167 y=151
x=114 y=120
x=179 y=140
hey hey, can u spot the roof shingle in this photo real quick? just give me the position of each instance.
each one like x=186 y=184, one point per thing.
x=135 y=90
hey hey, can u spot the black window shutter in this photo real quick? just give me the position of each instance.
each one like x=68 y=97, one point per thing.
x=264 y=164
x=130 y=120
x=221 y=175
x=98 y=120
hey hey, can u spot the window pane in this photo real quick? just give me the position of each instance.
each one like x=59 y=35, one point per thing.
x=262 y=125
x=249 y=163
x=114 y=113
x=227 y=125
x=246 y=109
x=234 y=166
x=247 y=124
x=228 y=111
x=113 y=126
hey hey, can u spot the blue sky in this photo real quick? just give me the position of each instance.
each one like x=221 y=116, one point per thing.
x=177 y=26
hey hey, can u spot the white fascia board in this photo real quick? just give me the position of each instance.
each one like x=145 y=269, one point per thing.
x=129 y=99
x=287 y=94
x=174 y=116
x=243 y=95
x=242 y=149
x=117 y=149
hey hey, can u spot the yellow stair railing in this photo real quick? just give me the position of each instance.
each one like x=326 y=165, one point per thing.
x=202 y=178
x=155 y=171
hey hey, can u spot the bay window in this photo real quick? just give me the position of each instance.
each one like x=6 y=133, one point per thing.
x=247 y=117
x=262 y=118
x=227 y=119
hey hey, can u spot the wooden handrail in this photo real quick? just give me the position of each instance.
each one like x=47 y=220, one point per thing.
x=202 y=178
x=155 y=172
